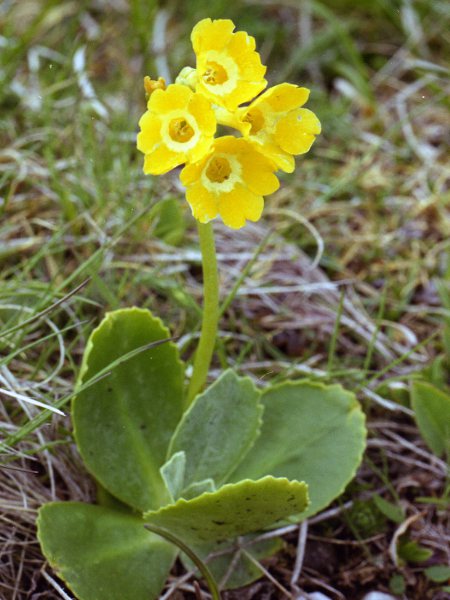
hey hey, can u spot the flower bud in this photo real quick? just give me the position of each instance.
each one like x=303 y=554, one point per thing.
x=187 y=76
x=150 y=85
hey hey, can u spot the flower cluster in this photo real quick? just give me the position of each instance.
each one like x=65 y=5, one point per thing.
x=227 y=175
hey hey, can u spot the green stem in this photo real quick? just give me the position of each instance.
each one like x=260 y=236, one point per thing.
x=206 y=573
x=210 y=318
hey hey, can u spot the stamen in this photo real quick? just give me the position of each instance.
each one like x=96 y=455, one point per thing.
x=180 y=130
x=214 y=74
x=256 y=120
x=219 y=169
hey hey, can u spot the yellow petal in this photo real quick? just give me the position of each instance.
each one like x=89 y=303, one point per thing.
x=203 y=204
x=244 y=92
x=308 y=121
x=231 y=119
x=211 y=35
x=201 y=149
x=239 y=205
x=296 y=132
x=285 y=97
x=162 y=160
x=299 y=143
x=175 y=97
x=201 y=109
x=257 y=173
x=250 y=66
x=283 y=160
x=229 y=143
x=240 y=43
x=191 y=172
x=150 y=133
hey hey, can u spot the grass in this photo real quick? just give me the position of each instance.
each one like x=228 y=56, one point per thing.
x=370 y=203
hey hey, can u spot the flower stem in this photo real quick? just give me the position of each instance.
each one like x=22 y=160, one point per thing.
x=207 y=576
x=210 y=318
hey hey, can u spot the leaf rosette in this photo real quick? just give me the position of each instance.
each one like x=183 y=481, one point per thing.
x=237 y=461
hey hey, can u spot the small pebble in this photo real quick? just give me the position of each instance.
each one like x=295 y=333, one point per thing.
x=378 y=596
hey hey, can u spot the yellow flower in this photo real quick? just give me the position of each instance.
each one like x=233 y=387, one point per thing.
x=229 y=70
x=278 y=125
x=231 y=182
x=178 y=126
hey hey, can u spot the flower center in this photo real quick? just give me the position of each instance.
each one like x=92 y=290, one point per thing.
x=214 y=74
x=180 y=130
x=219 y=170
x=256 y=120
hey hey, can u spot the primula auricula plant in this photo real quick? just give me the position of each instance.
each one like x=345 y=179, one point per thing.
x=188 y=471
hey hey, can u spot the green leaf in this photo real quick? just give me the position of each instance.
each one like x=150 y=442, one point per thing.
x=443 y=288
x=230 y=564
x=171 y=223
x=391 y=511
x=199 y=487
x=219 y=428
x=233 y=510
x=124 y=422
x=312 y=433
x=432 y=412
x=437 y=373
x=107 y=500
x=397 y=584
x=438 y=573
x=411 y=551
x=173 y=473
x=103 y=554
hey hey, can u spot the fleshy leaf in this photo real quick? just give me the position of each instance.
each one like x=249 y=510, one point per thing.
x=107 y=500
x=230 y=564
x=199 y=487
x=173 y=473
x=103 y=554
x=432 y=412
x=124 y=422
x=219 y=428
x=233 y=510
x=311 y=432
